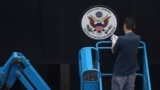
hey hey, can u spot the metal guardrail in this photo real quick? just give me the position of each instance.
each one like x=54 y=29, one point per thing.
x=86 y=67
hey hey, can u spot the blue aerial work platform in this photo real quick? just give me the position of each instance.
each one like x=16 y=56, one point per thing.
x=89 y=66
x=19 y=68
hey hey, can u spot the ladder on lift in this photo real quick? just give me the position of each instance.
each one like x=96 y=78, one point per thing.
x=89 y=67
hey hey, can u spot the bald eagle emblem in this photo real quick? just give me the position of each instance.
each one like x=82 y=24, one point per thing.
x=99 y=23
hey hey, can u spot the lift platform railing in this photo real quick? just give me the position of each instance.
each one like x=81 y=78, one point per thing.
x=145 y=69
x=90 y=76
x=89 y=66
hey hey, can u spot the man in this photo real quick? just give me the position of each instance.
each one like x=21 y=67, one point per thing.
x=126 y=65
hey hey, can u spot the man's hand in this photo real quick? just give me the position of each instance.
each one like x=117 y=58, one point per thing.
x=114 y=38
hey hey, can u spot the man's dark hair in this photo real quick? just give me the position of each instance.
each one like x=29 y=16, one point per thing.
x=130 y=23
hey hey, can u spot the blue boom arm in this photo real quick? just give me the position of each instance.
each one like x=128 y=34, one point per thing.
x=18 y=67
